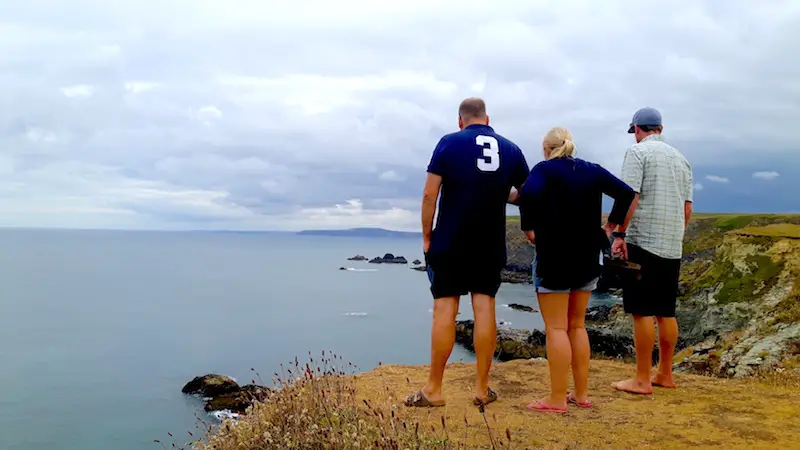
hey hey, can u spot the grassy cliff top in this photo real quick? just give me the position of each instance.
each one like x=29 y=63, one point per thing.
x=341 y=411
x=704 y=412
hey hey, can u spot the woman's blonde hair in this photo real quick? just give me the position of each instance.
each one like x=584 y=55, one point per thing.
x=558 y=143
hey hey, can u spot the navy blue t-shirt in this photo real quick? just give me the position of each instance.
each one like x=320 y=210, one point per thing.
x=478 y=168
x=561 y=202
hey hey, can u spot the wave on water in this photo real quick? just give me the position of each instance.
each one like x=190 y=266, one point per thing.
x=353 y=269
x=224 y=415
x=358 y=314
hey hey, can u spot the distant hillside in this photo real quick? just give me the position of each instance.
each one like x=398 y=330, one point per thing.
x=363 y=232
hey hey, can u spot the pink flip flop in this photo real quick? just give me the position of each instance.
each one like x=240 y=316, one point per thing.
x=571 y=399
x=537 y=405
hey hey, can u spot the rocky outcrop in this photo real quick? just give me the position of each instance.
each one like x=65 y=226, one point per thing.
x=357 y=258
x=222 y=393
x=416 y=262
x=525 y=344
x=389 y=259
x=740 y=299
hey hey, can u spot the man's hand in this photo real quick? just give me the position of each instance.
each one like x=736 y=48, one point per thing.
x=426 y=244
x=531 y=237
x=620 y=248
x=608 y=228
x=513 y=197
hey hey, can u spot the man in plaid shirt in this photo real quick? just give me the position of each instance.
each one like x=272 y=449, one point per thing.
x=652 y=236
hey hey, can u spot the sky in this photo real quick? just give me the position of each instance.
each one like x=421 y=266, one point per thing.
x=267 y=115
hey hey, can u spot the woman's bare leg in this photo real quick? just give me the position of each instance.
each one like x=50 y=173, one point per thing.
x=554 y=308
x=579 y=342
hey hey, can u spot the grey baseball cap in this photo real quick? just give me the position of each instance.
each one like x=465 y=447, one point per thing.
x=645 y=116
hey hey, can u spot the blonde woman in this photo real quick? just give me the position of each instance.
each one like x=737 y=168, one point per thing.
x=561 y=207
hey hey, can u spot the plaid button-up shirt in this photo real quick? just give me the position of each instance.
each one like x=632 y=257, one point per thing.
x=663 y=178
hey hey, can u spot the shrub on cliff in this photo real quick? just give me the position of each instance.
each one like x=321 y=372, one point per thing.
x=317 y=407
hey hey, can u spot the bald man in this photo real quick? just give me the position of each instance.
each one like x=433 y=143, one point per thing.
x=474 y=169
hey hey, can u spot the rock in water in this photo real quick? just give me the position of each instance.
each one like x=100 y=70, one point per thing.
x=389 y=259
x=211 y=385
x=416 y=262
x=342 y=268
x=357 y=258
x=238 y=401
x=524 y=308
x=222 y=393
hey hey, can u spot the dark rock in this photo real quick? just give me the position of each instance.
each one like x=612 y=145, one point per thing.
x=222 y=393
x=508 y=276
x=342 y=268
x=357 y=258
x=389 y=259
x=511 y=343
x=599 y=313
x=416 y=262
x=211 y=385
x=422 y=268
x=524 y=308
x=523 y=344
x=238 y=401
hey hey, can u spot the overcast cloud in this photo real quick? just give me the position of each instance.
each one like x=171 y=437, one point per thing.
x=239 y=114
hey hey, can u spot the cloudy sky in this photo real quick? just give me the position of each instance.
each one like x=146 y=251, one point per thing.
x=236 y=114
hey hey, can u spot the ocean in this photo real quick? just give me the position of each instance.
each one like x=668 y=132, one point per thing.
x=100 y=330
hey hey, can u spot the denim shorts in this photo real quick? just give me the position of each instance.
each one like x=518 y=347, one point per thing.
x=537 y=284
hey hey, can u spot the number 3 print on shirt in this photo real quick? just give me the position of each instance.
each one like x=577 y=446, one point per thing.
x=490 y=161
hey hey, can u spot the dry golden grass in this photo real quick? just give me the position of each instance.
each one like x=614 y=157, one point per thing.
x=702 y=413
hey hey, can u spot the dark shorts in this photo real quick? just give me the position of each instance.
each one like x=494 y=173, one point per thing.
x=654 y=291
x=453 y=276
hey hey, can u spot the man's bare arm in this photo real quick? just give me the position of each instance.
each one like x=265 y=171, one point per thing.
x=687 y=213
x=433 y=183
x=624 y=226
x=513 y=196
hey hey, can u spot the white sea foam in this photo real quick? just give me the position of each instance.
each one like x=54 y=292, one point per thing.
x=224 y=415
x=353 y=269
x=359 y=314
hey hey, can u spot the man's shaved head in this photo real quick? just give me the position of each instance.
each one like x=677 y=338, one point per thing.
x=472 y=108
x=472 y=111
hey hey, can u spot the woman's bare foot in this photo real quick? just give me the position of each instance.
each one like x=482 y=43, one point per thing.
x=558 y=403
x=634 y=386
x=665 y=381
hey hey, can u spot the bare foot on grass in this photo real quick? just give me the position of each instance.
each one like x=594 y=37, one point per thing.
x=665 y=381
x=634 y=386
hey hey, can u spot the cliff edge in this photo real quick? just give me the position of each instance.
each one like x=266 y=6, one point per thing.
x=365 y=411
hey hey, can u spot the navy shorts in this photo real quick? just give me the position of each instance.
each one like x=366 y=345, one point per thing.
x=655 y=291
x=454 y=276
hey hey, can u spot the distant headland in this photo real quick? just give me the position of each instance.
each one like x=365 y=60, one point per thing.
x=363 y=232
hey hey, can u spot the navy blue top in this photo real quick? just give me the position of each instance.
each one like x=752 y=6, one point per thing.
x=478 y=168
x=562 y=203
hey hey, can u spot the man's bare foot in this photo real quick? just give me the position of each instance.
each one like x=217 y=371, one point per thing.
x=634 y=386
x=665 y=381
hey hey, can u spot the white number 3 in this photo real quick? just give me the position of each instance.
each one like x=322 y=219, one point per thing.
x=490 y=161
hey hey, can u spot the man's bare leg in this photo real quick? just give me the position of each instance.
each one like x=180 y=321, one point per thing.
x=667 y=340
x=644 y=339
x=443 y=338
x=485 y=340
